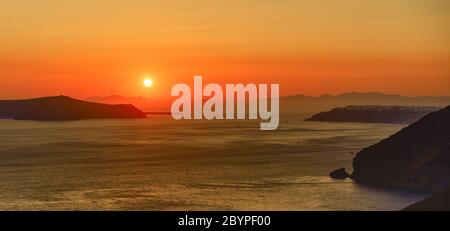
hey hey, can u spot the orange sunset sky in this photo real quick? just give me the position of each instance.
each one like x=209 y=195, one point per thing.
x=95 y=48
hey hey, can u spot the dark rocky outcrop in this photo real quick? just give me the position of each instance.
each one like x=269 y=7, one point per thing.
x=438 y=202
x=64 y=108
x=374 y=114
x=339 y=174
x=417 y=157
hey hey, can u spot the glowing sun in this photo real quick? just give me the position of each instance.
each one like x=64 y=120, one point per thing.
x=148 y=82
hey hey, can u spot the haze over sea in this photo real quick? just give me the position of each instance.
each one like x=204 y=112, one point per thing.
x=161 y=164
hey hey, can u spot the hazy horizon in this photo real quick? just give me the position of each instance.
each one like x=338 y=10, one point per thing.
x=284 y=96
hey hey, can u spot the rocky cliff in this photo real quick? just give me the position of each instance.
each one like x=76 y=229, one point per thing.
x=417 y=157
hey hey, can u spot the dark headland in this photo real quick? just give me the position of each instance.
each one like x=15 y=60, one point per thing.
x=64 y=108
x=374 y=114
x=415 y=158
x=438 y=202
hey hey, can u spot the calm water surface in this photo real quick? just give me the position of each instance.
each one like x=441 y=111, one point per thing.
x=161 y=164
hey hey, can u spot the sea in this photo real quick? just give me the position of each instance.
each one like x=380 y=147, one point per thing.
x=158 y=163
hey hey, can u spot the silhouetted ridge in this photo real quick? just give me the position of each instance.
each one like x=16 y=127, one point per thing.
x=438 y=202
x=368 y=98
x=374 y=114
x=416 y=157
x=64 y=108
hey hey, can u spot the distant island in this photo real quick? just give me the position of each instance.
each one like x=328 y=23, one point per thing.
x=294 y=107
x=64 y=108
x=374 y=114
x=152 y=104
x=150 y=113
x=367 y=98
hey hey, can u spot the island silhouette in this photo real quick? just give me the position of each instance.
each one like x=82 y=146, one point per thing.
x=64 y=108
x=374 y=114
